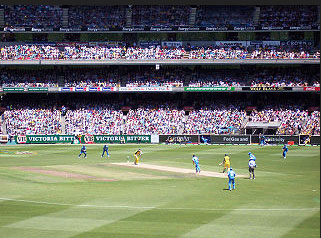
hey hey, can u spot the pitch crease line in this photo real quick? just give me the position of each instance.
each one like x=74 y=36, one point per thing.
x=162 y=208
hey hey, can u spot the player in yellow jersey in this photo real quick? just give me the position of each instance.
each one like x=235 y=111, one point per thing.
x=227 y=163
x=137 y=156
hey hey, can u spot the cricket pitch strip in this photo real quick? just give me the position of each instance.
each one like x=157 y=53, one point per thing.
x=176 y=170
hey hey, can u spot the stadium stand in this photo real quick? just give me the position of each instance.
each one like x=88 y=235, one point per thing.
x=161 y=16
x=32 y=121
x=97 y=120
x=215 y=119
x=116 y=17
x=36 y=16
x=46 y=52
x=287 y=16
x=97 y=17
x=225 y=16
x=150 y=120
x=208 y=115
x=146 y=76
x=178 y=112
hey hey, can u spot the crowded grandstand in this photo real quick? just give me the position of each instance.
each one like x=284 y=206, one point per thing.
x=113 y=17
x=174 y=76
x=202 y=113
x=205 y=70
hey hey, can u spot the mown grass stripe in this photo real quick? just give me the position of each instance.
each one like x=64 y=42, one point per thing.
x=162 y=208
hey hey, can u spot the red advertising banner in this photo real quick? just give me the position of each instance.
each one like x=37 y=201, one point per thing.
x=311 y=88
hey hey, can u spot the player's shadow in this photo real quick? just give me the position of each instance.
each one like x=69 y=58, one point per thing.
x=226 y=189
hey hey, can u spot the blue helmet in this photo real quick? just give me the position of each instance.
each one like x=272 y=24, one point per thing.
x=231 y=169
x=249 y=153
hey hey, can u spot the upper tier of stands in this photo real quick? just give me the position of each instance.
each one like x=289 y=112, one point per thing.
x=102 y=17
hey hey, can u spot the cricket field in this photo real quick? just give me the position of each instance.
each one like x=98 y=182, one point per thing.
x=47 y=191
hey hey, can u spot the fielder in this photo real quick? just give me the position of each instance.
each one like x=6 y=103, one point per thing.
x=231 y=179
x=105 y=149
x=262 y=140
x=285 y=150
x=252 y=166
x=251 y=156
x=196 y=163
x=227 y=163
x=137 y=156
x=83 y=151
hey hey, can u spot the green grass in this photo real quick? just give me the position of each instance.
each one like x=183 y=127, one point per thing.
x=283 y=201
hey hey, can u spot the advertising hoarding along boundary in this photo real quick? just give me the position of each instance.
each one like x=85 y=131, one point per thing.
x=266 y=88
x=44 y=139
x=87 y=89
x=230 y=139
x=145 y=89
x=184 y=139
x=311 y=89
x=100 y=139
x=277 y=139
x=12 y=89
x=315 y=140
x=157 y=89
x=181 y=139
x=38 y=89
x=208 y=89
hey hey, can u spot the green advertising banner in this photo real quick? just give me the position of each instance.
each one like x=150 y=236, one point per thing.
x=44 y=139
x=13 y=89
x=100 y=139
x=38 y=89
x=208 y=89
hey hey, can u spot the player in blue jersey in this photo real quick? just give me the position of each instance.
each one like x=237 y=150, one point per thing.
x=262 y=140
x=83 y=151
x=285 y=150
x=252 y=166
x=231 y=179
x=251 y=156
x=204 y=140
x=105 y=149
x=196 y=163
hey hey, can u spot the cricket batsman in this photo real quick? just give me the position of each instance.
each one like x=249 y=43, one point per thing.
x=137 y=156
x=196 y=163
